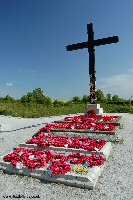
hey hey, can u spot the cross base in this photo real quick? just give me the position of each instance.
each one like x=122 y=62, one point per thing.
x=96 y=108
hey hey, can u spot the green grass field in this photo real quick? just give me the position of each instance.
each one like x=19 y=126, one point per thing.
x=17 y=109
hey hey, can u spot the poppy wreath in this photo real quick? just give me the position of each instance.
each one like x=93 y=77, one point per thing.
x=59 y=167
x=68 y=142
x=88 y=119
x=57 y=163
x=71 y=126
x=109 y=118
x=80 y=119
x=32 y=158
x=91 y=113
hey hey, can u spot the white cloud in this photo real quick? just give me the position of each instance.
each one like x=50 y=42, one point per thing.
x=121 y=85
x=9 y=84
x=131 y=70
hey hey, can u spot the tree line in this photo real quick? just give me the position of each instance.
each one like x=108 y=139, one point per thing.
x=37 y=96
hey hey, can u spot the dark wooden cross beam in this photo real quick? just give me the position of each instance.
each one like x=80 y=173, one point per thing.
x=90 y=44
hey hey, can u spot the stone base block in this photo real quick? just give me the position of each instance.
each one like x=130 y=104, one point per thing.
x=99 y=115
x=87 y=180
x=104 y=152
x=97 y=111
x=93 y=106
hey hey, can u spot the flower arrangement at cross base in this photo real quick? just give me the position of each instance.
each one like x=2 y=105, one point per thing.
x=91 y=113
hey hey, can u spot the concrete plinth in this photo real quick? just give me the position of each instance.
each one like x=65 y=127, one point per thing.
x=87 y=180
x=95 y=107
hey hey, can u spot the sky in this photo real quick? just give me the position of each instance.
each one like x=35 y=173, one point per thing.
x=33 y=39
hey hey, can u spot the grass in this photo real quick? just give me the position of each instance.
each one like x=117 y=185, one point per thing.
x=114 y=108
x=17 y=109
x=38 y=110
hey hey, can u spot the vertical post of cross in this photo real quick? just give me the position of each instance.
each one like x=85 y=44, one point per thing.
x=92 y=68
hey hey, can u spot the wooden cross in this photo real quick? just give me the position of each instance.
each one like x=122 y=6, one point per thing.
x=90 y=44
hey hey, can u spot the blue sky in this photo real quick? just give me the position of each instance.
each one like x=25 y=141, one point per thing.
x=33 y=39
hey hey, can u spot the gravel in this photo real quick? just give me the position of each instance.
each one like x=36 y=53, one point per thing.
x=115 y=182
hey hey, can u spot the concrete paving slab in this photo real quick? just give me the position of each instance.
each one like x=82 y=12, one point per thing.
x=88 y=180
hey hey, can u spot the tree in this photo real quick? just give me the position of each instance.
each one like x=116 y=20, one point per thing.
x=24 y=99
x=76 y=99
x=108 y=97
x=58 y=103
x=1 y=98
x=68 y=103
x=100 y=96
x=116 y=98
x=38 y=95
x=28 y=98
x=86 y=98
x=48 y=101
x=9 y=98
